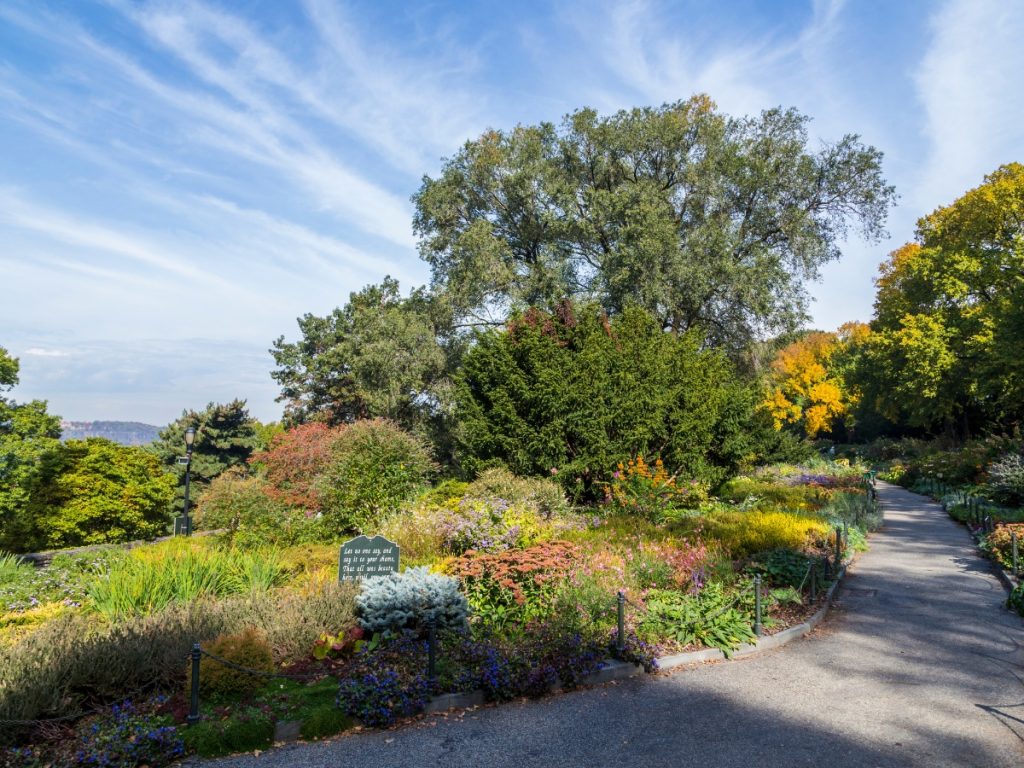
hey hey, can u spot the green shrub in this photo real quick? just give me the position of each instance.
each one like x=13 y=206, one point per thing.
x=247 y=648
x=95 y=491
x=709 y=618
x=238 y=505
x=541 y=495
x=375 y=466
x=244 y=731
x=1016 y=600
x=568 y=395
x=1006 y=479
x=323 y=722
x=782 y=568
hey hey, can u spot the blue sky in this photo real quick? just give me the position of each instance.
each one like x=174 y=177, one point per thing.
x=180 y=181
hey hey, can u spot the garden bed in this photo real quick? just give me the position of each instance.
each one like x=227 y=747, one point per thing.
x=537 y=580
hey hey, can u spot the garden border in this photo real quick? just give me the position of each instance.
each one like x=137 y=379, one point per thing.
x=615 y=669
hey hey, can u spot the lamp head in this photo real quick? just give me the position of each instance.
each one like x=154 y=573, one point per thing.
x=190 y=437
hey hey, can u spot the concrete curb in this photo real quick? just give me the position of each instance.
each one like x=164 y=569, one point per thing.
x=765 y=643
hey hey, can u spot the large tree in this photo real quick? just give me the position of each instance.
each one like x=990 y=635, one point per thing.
x=709 y=222
x=27 y=432
x=226 y=436
x=378 y=356
x=949 y=315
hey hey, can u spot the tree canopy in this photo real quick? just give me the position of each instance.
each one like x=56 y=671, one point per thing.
x=949 y=315
x=226 y=436
x=709 y=222
x=378 y=356
x=27 y=432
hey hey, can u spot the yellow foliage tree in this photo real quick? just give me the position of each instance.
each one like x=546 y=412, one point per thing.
x=809 y=386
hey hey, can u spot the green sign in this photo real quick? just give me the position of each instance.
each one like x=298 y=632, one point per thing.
x=365 y=556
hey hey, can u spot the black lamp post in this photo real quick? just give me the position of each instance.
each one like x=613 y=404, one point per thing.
x=190 y=438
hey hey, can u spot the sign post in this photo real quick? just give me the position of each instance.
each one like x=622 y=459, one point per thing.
x=364 y=556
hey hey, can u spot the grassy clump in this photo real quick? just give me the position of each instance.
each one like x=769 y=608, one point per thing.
x=244 y=731
x=180 y=571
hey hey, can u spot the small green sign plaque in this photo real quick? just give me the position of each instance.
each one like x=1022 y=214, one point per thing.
x=364 y=556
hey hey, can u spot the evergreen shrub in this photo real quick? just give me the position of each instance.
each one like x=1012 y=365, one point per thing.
x=411 y=600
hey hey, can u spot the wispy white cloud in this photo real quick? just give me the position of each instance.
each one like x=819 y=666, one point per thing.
x=969 y=84
x=19 y=212
x=41 y=352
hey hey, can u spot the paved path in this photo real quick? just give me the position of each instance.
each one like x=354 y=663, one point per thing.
x=918 y=665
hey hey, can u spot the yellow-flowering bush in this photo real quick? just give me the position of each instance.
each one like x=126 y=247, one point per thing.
x=744 y=533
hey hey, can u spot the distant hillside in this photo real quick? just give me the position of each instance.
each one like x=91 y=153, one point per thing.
x=123 y=432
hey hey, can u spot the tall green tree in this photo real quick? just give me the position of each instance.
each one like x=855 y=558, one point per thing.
x=709 y=222
x=378 y=356
x=226 y=436
x=27 y=432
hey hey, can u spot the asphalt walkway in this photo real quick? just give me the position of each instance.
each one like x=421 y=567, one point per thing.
x=917 y=665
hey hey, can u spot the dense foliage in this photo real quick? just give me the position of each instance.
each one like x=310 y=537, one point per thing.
x=27 y=432
x=226 y=437
x=91 y=492
x=573 y=393
x=709 y=222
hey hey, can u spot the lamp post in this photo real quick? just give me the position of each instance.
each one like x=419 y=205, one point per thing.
x=190 y=438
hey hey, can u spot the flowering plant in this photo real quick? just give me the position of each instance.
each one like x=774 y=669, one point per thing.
x=642 y=489
x=127 y=738
x=508 y=589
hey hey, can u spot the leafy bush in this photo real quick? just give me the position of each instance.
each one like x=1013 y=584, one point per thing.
x=538 y=494
x=127 y=738
x=92 y=492
x=709 y=618
x=1006 y=479
x=247 y=648
x=782 y=568
x=179 y=571
x=640 y=489
x=244 y=731
x=375 y=466
x=744 y=533
x=570 y=394
x=999 y=544
x=509 y=589
x=1015 y=602
x=411 y=600
x=293 y=462
x=239 y=506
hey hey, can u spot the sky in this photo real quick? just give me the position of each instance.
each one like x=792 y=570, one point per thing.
x=180 y=181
